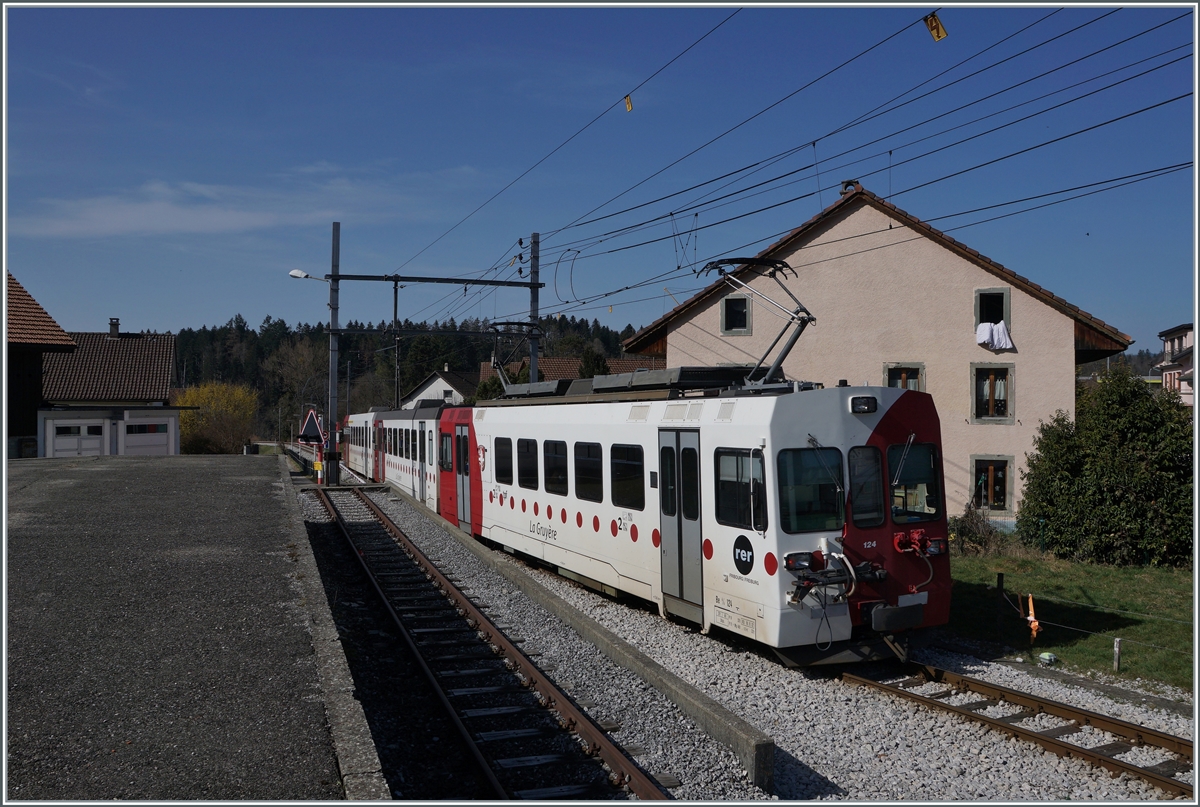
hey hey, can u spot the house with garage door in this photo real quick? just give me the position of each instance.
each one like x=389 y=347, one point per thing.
x=109 y=396
x=899 y=303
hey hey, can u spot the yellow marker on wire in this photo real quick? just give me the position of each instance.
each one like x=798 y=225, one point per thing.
x=1034 y=628
x=629 y=100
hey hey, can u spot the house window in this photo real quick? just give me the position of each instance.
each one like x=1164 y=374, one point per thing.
x=447 y=394
x=991 y=483
x=735 y=315
x=993 y=305
x=555 y=452
x=527 y=464
x=905 y=376
x=993 y=393
x=589 y=472
x=143 y=428
x=503 y=460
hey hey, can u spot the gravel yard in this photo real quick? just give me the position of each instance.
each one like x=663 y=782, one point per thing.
x=833 y=741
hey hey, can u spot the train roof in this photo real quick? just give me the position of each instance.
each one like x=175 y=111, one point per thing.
x=646 y=385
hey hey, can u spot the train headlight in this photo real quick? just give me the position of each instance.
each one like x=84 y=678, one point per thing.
x=863 y=404
x=804 y=561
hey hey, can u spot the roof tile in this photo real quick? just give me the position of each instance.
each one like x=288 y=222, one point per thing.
x=131 y=367
x=27 y=323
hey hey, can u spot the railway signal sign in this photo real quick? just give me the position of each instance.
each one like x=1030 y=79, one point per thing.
x=312 y=431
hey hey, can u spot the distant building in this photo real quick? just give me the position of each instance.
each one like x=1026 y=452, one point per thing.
x=110 y=396
x=1176 y=366
x=30 y=332
x=901 y=304
x=445 y=385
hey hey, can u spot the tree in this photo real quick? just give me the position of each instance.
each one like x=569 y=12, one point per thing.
x=223 y=422
x=592 y=364
x=1115 y=485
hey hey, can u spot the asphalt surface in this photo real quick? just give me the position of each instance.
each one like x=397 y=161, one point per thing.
x=158 y=641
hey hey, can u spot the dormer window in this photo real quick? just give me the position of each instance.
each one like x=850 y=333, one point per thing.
x=735 y=315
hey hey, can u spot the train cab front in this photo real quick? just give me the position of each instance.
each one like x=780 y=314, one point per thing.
x=890 y=565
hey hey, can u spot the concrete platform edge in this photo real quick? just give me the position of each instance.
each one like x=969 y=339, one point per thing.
x=754 y=749
x=358 y=762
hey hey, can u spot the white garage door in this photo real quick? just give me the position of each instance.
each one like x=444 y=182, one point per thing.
x=79 y=439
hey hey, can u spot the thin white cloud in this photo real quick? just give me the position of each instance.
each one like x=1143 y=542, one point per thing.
x=164 y=208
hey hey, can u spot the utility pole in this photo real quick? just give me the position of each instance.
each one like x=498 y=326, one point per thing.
x=331 y=447
x=534 y=245
x=395 y=347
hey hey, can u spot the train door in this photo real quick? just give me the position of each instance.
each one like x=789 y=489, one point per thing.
x=419 y=462
x=679 y=517
x=380 y=447
x=462 y=472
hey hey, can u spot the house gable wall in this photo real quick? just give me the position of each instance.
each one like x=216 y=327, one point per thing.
x=885 y=294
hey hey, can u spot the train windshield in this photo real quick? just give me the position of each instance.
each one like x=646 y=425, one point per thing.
x=810 y=490
x=913 y=475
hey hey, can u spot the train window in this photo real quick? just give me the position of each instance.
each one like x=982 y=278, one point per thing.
x=689 y=473
x=555 y=452
x=741 y=493
x=810 y=490
x=527 y=464
x=866 y=486
x=503 y=460
x=446 y=453
x=421 y=447
x=589 y=471
x=628 y=476
x=913 y=473
x=407 y=444
x=666 y=472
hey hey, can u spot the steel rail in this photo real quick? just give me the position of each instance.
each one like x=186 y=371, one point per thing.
x=1103 y=756
x=481 y=761
x=625 y=771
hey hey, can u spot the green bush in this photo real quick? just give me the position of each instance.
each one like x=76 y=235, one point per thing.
x=1114 y=485
x=972 y=533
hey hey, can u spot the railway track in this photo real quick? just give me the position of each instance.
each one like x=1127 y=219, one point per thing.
x=1048 y=723
x=528 y=738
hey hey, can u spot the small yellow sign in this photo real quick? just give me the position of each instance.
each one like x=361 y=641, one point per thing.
x=317 y=465
x=935 y=27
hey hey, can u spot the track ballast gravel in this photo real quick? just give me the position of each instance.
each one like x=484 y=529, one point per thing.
x=833 y=741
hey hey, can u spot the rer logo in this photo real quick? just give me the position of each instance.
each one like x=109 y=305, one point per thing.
x=743 y=555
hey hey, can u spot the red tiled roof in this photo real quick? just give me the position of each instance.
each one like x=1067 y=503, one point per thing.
x=28 y=324
x=131 y=367
x=554 y=368
x=857 y=194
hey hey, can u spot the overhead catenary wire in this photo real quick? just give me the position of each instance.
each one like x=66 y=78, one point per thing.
x=745 y=192
x=737 y=126
x=1122 y=181
x=557 y=148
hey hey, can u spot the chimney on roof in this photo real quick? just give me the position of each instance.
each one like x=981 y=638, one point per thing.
x=850 y=186
x=446 y=368
x=114 y=327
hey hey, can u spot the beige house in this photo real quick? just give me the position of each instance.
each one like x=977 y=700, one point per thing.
x=899 y=303
x=1176 y=366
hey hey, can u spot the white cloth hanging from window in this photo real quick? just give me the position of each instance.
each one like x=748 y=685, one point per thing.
x=1000 y=338
x=993 y=336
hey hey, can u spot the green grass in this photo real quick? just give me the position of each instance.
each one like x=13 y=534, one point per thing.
x=1150 y=609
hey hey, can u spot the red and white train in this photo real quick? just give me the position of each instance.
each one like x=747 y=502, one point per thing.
x=810 y=520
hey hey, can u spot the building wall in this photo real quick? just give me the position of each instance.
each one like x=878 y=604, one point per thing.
x=883 y=294
x=100 y=432
x=434 y=390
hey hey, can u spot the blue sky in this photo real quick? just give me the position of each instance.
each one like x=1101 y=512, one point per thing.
x=169 y=166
